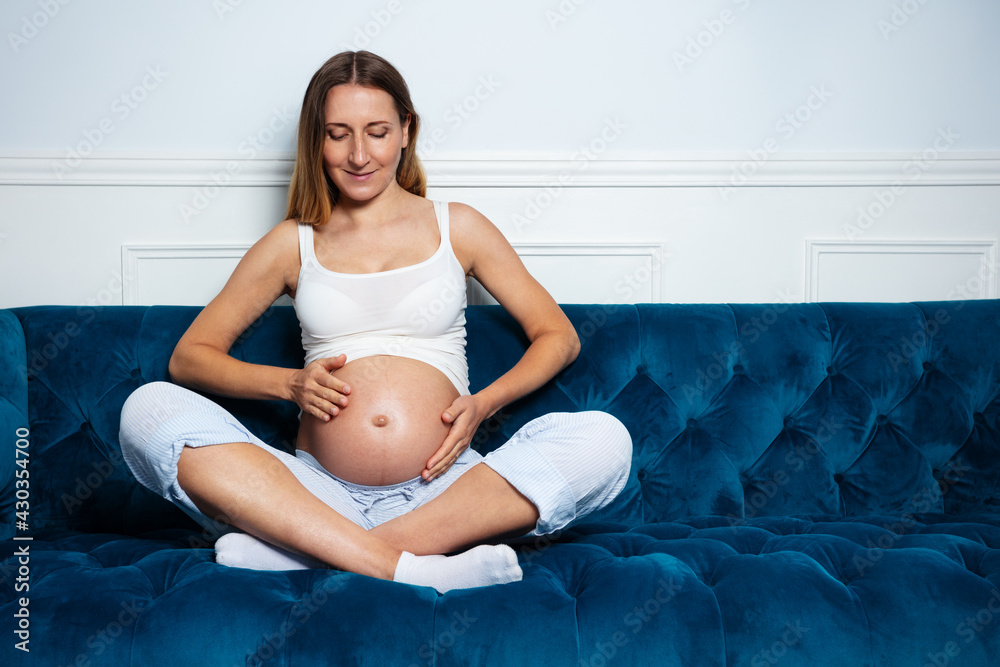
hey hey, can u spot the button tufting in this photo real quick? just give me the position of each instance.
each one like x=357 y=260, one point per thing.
x=641 y=476
x=738 y=368
x=881 y=419
x=830 y=370
x=85 y=427
x=789 y=420
x=691 y=423
x=136 y=374
x=640 y=369
x=838 y=479
x=928 y=366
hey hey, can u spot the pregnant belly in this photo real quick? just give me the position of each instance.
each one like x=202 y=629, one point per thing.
x=391 y=426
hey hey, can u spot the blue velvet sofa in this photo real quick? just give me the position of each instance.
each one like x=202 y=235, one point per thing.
x=813 y=484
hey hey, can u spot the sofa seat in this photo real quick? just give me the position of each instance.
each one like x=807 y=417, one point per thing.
x=755 y=591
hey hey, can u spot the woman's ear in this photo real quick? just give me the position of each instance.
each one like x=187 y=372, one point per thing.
x=406 y=130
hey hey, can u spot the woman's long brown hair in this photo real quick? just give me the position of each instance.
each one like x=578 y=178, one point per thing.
x=311 y=194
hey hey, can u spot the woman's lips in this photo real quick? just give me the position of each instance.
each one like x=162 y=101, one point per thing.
x=360 y=177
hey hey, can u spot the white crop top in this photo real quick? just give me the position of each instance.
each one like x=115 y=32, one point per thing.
x=416 y=311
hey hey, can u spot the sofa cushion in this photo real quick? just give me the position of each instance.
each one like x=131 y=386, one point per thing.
x=700 y=591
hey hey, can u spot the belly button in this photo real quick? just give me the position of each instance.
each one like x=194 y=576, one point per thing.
x=380 y=420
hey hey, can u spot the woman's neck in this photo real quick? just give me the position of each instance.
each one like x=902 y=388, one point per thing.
x=379 y=208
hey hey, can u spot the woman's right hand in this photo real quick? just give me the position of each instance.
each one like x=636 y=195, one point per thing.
x=317 y=391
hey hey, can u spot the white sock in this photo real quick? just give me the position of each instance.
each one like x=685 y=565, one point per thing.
x=482 y=566
x=246 y=551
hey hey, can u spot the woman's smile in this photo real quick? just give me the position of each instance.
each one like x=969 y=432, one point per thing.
x=364 y=140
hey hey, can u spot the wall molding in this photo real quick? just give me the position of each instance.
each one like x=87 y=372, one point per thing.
x=653 y=253
x=136 y=259
x=986 y=250
x=729 y=170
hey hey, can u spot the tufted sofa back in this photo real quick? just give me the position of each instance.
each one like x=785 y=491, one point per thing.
x=735 y=410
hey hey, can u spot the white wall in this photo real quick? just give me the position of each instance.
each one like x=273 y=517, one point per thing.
x=868 y=123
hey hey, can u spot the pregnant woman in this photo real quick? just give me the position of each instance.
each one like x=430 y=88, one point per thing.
x=383 y=482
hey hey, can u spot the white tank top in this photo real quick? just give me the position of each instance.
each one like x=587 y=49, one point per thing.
x=417 y=311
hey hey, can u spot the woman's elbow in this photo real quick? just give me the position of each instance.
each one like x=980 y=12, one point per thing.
x=177 y=366
x=572 y=345
x=174 y=368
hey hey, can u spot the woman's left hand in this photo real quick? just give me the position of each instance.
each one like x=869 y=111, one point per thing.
x=464 y=414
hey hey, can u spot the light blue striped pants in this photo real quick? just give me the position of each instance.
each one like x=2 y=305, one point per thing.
x=566 y=464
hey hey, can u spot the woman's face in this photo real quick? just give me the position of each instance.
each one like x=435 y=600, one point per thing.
x=361 y=148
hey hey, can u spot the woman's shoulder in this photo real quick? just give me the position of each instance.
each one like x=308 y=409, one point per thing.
x=474 y=237
x=281 y=239
x=465 y=219
x=290 y=226
x=457 y=209
x=278 y=249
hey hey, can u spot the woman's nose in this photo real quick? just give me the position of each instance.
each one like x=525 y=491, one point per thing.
x=358 y=154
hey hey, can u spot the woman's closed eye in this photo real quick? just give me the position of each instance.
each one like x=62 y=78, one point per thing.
x=339 y=137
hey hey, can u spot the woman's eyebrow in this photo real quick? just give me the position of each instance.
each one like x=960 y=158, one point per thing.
x=374 y=122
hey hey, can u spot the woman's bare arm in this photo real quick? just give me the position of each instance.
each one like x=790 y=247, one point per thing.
x=554 y=344
x=201 y=358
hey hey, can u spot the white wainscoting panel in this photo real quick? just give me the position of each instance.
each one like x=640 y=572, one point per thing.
x=910 y=270
x=572 y=272
x=176 y=275
x=590 y=272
